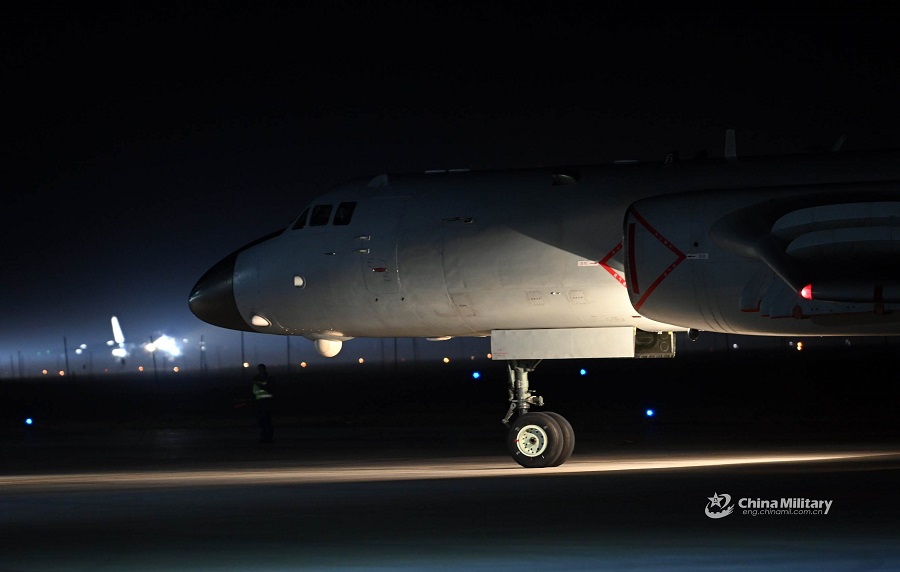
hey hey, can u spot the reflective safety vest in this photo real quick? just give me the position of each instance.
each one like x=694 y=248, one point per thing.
x=259 y=390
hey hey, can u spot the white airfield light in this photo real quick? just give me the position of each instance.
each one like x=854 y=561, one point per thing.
x=166 y=344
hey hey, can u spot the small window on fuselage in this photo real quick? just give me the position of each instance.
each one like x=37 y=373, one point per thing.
x=343 y=214
x=301 y=222
x=320 y=215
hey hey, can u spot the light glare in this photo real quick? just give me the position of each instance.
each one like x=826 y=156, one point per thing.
x=166 y=344
x=806 y=292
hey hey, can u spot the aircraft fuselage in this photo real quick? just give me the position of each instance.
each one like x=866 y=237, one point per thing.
x=717 y=245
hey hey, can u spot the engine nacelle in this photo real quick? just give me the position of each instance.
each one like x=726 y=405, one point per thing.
x=727 y=261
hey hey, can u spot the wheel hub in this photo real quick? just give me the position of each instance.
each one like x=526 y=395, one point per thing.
x=531 y=440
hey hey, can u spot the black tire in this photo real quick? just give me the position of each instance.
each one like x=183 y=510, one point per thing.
x=535 y=440
x=568 y=438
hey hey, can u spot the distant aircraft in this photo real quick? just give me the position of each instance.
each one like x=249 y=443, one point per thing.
x=603 y=261
x=118 y=342
x=161 y=343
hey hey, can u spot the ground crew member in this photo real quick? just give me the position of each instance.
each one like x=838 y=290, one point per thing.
x=262 y=392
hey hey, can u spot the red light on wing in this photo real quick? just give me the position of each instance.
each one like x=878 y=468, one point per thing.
x=806 y=292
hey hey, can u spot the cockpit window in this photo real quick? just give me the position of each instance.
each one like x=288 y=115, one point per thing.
x=301 y=222
x=343 y=214
x=320 y=215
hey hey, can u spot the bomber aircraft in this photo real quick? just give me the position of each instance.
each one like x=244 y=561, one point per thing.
x=599 y=261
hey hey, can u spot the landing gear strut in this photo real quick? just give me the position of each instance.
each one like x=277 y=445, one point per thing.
x=537 y=438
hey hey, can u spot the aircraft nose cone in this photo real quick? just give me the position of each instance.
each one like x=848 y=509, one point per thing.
x=212 y=298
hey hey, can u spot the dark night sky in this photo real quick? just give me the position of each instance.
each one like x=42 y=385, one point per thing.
x=145 y=141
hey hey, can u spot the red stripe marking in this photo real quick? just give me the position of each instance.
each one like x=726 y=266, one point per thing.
x=632 y=267
x=612 y=272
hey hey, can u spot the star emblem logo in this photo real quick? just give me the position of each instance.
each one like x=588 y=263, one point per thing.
x=720 y=504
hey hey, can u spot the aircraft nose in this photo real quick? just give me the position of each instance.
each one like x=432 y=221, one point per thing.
x=212 y=298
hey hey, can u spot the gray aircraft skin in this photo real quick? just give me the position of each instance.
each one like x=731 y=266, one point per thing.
x=579 y=262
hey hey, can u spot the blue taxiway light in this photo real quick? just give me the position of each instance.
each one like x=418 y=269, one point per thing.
x=649 y=413
x=583 y=371
x=29 y=421
x=476 y=375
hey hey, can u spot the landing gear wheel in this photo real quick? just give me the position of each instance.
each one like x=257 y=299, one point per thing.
x=536 y=440
x=568 y=435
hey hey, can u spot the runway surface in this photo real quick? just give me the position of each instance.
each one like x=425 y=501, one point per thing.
x=391 y=483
